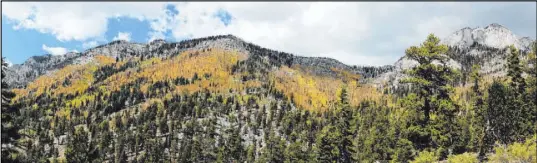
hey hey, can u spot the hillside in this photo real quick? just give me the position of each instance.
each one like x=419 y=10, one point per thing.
x=221 y=99
x=486 y=46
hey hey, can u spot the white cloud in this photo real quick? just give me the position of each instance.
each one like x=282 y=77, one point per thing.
x=352 y=32
x=153 y=35
x=75 y=20
x=123 y=36
x=440 y=26
x=310 y=29
x=56 y=50
x=90 y=44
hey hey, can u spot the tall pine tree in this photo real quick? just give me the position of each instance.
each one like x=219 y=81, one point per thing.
x=432 y=82
x=522 y=116
x=10 y=129
x=346 y=125
x=484 y=141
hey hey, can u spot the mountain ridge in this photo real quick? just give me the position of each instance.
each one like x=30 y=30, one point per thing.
x=465 y=38
x=468 y=46
x=221 y=97
x=21 y=74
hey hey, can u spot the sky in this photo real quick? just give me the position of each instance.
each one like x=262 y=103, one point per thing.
x=355 y=33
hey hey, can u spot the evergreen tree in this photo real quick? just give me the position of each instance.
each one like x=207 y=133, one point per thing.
x=294 y=152
x=484 y=142
x=347 y=127
x=10 y=148
x=531 y=95
x=500 y=113
x=432 y=82
x=514 y=71
x=522 y=117
x=233 y=141
x=78 y=148
x=327 y=142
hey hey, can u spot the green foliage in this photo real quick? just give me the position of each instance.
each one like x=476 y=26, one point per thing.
x=463 y=158
x=433 y=82
x=500 y=113
x=346 y=125
x=219 y=108
x=328 y=144
x=517 y=152
x=425 y=157
x=10 y=135
x=514 y=70
x=79 y=148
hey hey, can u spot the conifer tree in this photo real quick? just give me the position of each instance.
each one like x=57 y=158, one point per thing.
x=327 y=142
x=433 y=87
x=521 y=116
x=346 y=126
x=484 y=143
x=78 y=148
x=500 y=113
x=514 y=71
x=10 y=128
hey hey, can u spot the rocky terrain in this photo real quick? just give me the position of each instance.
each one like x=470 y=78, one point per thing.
x=20 y=74
x=486 y=43
x=221 y=99
x=484 y=46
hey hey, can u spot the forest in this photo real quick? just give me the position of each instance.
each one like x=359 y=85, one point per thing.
x=217 y=105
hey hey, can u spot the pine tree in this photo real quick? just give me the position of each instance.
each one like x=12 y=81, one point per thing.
x=432 y=82
x=10 y=135
x=78 y=148
x=522 y=116
x=514 y=71
x=294 y=152
x=347 y=127
x=501 y=120
x=484 y=140
x=233 y=141
x=327 y=142
x=531 y=90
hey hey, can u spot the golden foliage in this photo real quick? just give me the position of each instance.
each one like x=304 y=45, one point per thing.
x=308 y=91
x=79 y=76
x=216 y=62
x=320 y=93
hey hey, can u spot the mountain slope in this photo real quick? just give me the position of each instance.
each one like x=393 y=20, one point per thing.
x=468 y=46
x=493 y=35
x=218 y=99
x=129 y=86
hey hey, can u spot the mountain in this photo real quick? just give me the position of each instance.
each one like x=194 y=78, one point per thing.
x=493 y=35
x=21 y=74
x=221 y=80
x=486 y=47
x=221 y=99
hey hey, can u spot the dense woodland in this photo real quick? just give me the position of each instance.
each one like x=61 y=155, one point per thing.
x=212 y=105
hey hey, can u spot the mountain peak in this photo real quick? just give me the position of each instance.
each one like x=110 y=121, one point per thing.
x=495 y=25
x=158 y=41
x=494 y=35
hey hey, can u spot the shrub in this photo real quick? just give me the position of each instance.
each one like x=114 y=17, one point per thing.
x=425 y=157
x=463 y=158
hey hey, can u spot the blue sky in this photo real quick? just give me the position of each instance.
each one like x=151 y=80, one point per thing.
x=353 y=32
x=19 y=45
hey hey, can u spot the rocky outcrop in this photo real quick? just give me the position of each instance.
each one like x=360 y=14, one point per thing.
x=19 y=75
x=468 y=46
x=486 y=47
x=493 y=35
